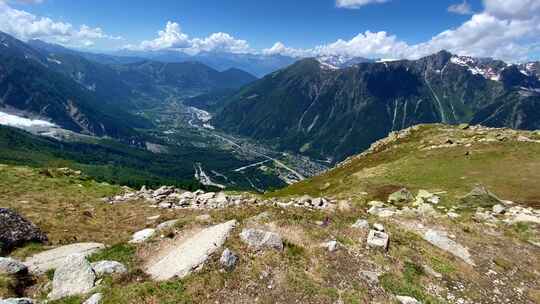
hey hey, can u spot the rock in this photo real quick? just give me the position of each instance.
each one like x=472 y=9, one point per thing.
x=94 y=299
x=453 y=215
x=182 y=259
x=16 y=231
x=74 y=277
x=382 y=212
x=305 y=200
x=102 y=268
x=426 y=210
x=425 y=196
x=206 y=196
x=525 y=218
x=371 y=277
x=480 y=197
x=431 y=272
x=499 y=209
x=142 y=236
x=377 y=239
x=407 y=300
x=261 y=217
x=440 y=239
x=260 y=239
x=166 y=225
x=332 y=246
x=54 y=258
x=344 y=206
x=222 y=199
x=376 y=204
x=378 y=227
x=11 y=266
x=204 y=218
x=228 y=259
x=400 y=196
x=361 y=224
x=17 y=301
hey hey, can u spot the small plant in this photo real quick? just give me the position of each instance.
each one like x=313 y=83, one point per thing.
x=123 y=253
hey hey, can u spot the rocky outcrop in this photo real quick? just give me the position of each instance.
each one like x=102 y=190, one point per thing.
x=54 y=258
x=16 y=231
x=441 y=240
x=142 y=236
x=74 y=276
x=182 y=259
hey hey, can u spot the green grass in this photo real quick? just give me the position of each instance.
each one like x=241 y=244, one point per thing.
x=122 y=252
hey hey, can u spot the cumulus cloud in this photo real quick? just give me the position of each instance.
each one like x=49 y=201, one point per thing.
x=463 y=8
x=172 y=38
x=25 y=26
x=354 y=4
x=505 y=29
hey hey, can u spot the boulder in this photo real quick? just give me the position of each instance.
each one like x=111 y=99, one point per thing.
x=425 y=196
x=382 y=212
x=499 y=209
x=332 y=246
x=401 y=196
x=142 y=236
x=16 y=231
x=11 y=266
x=167 y=225
x=192 y=253
x=94 y=299
x=407 y=300
x=480 y=197
x=74 y=277
x=378 y=227
x=440 y=239
x=54 y=258
x=102 y=268
x=361 y=224
x=228 y=259
x=260 y=239
x=377 y=239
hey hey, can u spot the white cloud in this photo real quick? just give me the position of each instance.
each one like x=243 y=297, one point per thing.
x=172 y=38
x=506 y=29
x=356 y=3
x=463 y=8
x=25 y=26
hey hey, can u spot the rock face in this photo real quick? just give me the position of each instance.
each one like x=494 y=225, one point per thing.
x=11 y=266
x=142 y=236
x=75 y=276
x=361 y=224
x=102 y=268
x=440 y=239
x=54 y=258
x=15 y=231
x=180 y=261
x=260 y=239
x=378 y=239
x=228 y=259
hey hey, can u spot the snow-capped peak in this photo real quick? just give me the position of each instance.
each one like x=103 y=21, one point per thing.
x=476 y=68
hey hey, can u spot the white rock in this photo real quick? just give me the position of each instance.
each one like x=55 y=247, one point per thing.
x=407 y=300
x=378 y=227
x=192 y=253
x=166 y=225
x=74 y=277
x=453 y=215
x=102 y=268
x=260 y=239
x=228 y=259
x=361 y=224
x=94 y=299
x=52 y=259
x=377 y=239
x=331 y=246
x=499 y=209
x=204 y=217
x=440 y=239
x=17 y=301
x=142 y=236
x=11 y=266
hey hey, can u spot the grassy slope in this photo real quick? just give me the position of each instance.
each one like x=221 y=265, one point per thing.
x=304 y=272
x=509 y=168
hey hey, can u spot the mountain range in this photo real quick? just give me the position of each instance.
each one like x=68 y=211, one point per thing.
x=325 y=111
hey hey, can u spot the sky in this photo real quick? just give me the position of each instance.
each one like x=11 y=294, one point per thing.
x=390 y=29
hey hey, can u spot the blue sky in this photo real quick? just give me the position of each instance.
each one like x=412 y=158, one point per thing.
x=397 y=28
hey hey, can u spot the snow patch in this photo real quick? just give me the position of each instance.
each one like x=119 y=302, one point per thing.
x=54 y=61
